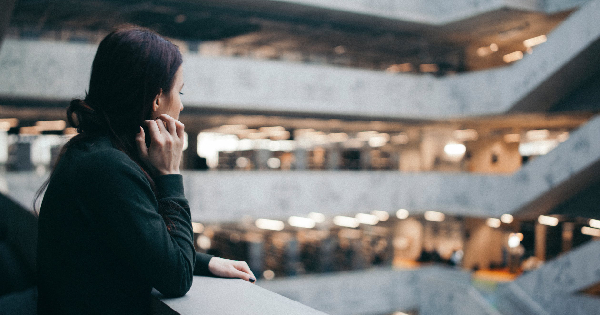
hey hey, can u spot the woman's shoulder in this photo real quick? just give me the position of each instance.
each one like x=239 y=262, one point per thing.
x=98 y=157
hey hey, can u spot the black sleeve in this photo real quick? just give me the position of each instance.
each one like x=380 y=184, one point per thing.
x=121 y=204
x=201 y=267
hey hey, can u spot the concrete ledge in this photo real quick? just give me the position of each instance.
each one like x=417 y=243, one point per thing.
x=233 y=296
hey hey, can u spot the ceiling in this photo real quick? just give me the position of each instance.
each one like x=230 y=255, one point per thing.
x=276 y=30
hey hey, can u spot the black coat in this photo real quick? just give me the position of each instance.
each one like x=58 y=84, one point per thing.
x=102 y=243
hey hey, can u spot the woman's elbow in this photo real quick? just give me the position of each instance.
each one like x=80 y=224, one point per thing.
x=181 y=287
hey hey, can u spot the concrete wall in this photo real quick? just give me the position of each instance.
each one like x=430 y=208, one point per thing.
x=383 y=291
x=435 y=12
x=60 y=71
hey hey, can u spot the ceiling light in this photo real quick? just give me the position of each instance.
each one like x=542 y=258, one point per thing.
x=546 y=220
x=402 y=214
x=513 y=56
x=493 y=223
x=345 y=221
x=365 y=218
x=534 y=41
x=434 y=216
x=267 y=224
x=306 y=223
x=506 y=218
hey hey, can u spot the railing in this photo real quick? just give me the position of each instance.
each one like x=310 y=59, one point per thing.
x=231 y=296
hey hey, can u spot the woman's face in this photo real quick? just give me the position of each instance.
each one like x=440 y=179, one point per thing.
x=170 y=103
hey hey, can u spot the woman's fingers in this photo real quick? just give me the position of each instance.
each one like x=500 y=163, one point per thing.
x=243 y=266
x=153 y=130
x=180 y=127
x=140 y=139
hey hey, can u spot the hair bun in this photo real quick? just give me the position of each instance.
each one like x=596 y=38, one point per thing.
x=83 y=117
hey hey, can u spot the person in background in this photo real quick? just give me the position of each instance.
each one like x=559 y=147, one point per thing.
x=114 y=222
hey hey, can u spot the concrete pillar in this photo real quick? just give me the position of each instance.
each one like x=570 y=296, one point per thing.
x=255 y=257
x=334 y=158
x=540 y=241
x=292 y=258
x=567 y=236
x=365 y=158
x=261 y=156
x=301 y=159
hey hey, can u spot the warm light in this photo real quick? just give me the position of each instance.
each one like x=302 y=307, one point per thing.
x=434 y=216
x=513 y=56
x=465 y=135
x=379 y=140
x=493 y=223
x=594 y=223
x=267 y=224
x=273 y=162
x=33 y=130
x=51 y=125
x=455 y=149
x=197 y=227
x=487 y=50
x=534 y=135
x=506 y=218
x=537 y=147
x=7 y=123
x=534 y=41
x=512 y=137
x=268 y=274
x=317 y=217
x=345 y=221
x=399 y=313
x=381 y=215
x=203 y=242
x=590 y=231
x=546 y=220
x=306 y=223
x=562 y=137
x=428 y=67
x=367 y=218
x=400 y=138
x=242 y=162
x=405 y=67
x=338 y=137
x=402 y=214
x=514 y=240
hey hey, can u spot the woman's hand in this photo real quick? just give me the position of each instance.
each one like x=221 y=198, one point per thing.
x=231 y=269
x=166 y=144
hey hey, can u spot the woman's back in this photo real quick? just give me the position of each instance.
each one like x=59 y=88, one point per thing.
x=91 y=253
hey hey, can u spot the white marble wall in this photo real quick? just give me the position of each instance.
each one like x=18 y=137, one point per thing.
x=217 y=196
x=60 y=71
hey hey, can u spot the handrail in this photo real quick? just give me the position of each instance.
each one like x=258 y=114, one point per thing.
x=220 y=296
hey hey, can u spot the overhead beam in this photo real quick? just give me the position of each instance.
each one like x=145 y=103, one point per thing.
x=6 y=10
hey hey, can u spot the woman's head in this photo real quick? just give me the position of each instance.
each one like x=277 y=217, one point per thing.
x=135 y=75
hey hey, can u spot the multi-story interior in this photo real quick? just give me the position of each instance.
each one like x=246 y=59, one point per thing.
x=365 y=157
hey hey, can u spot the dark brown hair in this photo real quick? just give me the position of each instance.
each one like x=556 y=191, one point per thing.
x=132 y=65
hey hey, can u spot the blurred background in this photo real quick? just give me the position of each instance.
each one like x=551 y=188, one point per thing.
x=364 y=157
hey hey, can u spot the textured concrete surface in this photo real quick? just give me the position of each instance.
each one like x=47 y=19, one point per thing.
x=555 y=287
x=232 y=297
x=60 y=71
x=436 y=12
x=230 y=195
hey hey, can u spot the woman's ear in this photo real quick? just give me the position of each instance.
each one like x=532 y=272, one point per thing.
x=157 y=101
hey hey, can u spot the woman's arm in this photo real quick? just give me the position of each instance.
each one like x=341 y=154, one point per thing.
x=121 y=206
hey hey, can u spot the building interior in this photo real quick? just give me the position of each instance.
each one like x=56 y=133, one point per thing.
x=364 y=157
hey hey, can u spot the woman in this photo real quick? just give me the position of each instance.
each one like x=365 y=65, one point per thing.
x=114 y=222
